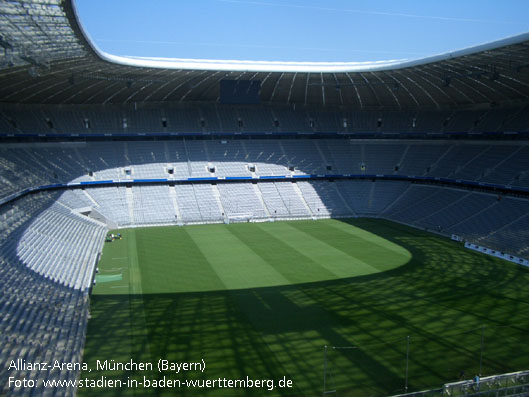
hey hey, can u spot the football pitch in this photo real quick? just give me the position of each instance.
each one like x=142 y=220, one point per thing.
x=259 y=301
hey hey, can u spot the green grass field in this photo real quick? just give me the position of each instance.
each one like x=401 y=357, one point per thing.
x=261 y=300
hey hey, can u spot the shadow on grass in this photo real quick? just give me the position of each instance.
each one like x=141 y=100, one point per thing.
x=441 y=298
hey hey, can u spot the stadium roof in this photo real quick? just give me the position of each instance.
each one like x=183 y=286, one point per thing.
x=48 y=58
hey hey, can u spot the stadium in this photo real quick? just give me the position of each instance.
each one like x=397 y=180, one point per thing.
x=217 y=228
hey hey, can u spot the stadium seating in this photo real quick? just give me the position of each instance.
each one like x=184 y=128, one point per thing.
x=112 y=203
x=187 y=204
x=29 y=166
x=152 y=205
x=47 y=258
x=293 y=201
x=482 y=218
x=24 y=166
x=273 y=200
x=478 y=217
x=368 y=198
x=211 y=209
x=324 y=199
x=241 y=200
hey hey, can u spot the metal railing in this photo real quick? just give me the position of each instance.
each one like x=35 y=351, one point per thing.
x=511 y=384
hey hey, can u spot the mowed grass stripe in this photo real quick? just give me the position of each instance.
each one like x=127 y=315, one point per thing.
x=171 y=261
x=139 y=330
x=135 y=283
x=233 y=261
x=347 y=227
x=378 y=256
x=293 y=264
x=322 y=248
x=300 y=256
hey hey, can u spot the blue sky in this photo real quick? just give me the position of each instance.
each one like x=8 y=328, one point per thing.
x=298 y=30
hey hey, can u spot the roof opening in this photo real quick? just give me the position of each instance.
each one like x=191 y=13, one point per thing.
x=304 y=36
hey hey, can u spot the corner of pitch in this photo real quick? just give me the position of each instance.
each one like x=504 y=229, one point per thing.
x=166 y=365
